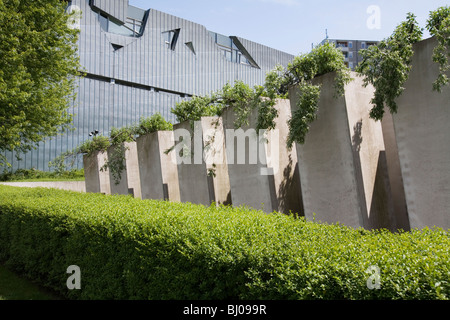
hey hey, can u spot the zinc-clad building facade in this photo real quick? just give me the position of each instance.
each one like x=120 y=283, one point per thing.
x=140 y=62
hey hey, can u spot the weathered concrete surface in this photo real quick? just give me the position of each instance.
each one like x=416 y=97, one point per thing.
x=130 y=180
x=250 y=183
x=285 y=167
x=203 y=147
x=342 y=164
x=400 y=219
x=97 y=181
x=77 y=186
x=158 y=170
x=423 y=136
x=214 y=156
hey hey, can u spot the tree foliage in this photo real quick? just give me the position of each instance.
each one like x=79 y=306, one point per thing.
x=116 y=141
x=321 y=60
x=120 y=136
x=439 y=26
x=387 y=65
x=241 y=97
x=38 y=66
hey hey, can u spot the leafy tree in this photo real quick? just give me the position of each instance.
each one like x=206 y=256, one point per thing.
x=117 y=139
x=321 y=60
x=387 y=65
x=119 y=136
x=195 y=108
x=38 y=66
x=152 y=124
x=439 y=26
x=241 y=97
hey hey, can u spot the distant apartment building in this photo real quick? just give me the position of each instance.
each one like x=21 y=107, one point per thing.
x=350 y=49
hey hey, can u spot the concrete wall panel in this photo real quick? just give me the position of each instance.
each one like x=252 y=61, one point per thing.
x=158 y=170
x=204 y=147
x=342 y=164
x=247 y=165
x=130 y=180
x=97 y=181
x=285 y=164
x=423 y=137
x=192 y=173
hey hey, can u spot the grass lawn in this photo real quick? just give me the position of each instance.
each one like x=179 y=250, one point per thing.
x=13 y=287
x=32 y=175
x=46 y=180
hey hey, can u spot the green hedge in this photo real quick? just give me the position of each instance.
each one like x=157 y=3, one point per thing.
x=128 y=248
x=33 y=174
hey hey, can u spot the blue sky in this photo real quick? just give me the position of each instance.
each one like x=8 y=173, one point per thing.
x=294 y=25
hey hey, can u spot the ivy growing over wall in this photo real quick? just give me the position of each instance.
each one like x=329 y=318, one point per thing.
x=438 y=25
x=115 y=143
x=67 y=159
x=119 y=137
x=387 y=65
x=240 y=96
x=244 y=99
x=321 y=60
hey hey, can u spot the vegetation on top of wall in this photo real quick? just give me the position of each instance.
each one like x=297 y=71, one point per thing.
x=151 y=124
x=387 y=65
x=321 y=60
x=120 y=136
x=115 y=142
x=438 y=24
x=240 y=96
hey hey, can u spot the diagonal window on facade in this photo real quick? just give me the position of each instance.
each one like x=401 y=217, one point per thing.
x=133 y=26
x=190 y=45
x=232 y=49
x=171 y=38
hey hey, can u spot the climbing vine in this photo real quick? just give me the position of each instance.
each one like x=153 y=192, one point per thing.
x=321 y=60
x=241 y=97
x=116 y=143
x=387 y=65
x=244 y=99
x=67 y=159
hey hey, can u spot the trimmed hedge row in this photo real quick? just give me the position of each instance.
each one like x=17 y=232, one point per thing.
x=128 y=248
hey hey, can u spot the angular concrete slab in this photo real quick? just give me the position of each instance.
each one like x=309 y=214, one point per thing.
x=130 y=180
x=285 y=164
x=342 y=164
x=202 y=170
x=157 y=169
x=96 y=181
x=400 y=219
x=251 y=179
x=214 y=156
x=423 y=136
